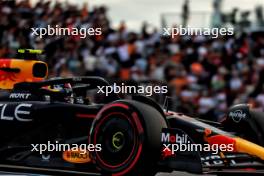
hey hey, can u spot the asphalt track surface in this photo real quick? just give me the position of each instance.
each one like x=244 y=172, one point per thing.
x=8 y=170
x=159 y=174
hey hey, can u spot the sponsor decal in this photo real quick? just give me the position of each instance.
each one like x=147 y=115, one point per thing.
x=177 y=141
x=237 y=115
x=174 y=138
x=77 y=79
x=19 y=95
x=171 y=141
x=45 y=157
x=217 y=160
x=78 y=156
x=20 y=112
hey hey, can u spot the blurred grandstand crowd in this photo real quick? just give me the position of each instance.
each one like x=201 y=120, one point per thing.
x=207 y=75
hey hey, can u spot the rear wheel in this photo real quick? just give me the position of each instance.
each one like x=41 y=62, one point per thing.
x=129 y=133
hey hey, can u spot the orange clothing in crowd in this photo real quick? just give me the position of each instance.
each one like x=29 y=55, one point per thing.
x=176 y=58
x=179 y=83
x=84 y=11
x=125 y=74
x=99 y=38
x=197 y=68
x=131 y=49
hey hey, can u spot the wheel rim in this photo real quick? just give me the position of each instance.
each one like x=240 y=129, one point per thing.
x=118 y=139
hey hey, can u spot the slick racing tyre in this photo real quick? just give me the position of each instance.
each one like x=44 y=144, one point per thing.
x=129 y=133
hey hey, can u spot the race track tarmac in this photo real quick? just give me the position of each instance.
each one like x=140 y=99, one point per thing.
x=7 y=170
x=159 y=174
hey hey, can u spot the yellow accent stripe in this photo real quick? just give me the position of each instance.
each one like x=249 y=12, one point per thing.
x=31 y=51
x=245 y=146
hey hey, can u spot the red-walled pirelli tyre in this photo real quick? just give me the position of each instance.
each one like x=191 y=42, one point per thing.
x=129 y=132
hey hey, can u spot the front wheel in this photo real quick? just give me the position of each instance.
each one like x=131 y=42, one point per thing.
x=129 y=133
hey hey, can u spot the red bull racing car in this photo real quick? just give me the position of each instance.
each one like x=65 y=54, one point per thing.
x=63 y=126
x=126 y=137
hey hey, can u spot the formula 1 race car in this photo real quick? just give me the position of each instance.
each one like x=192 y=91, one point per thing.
x=122 y=136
